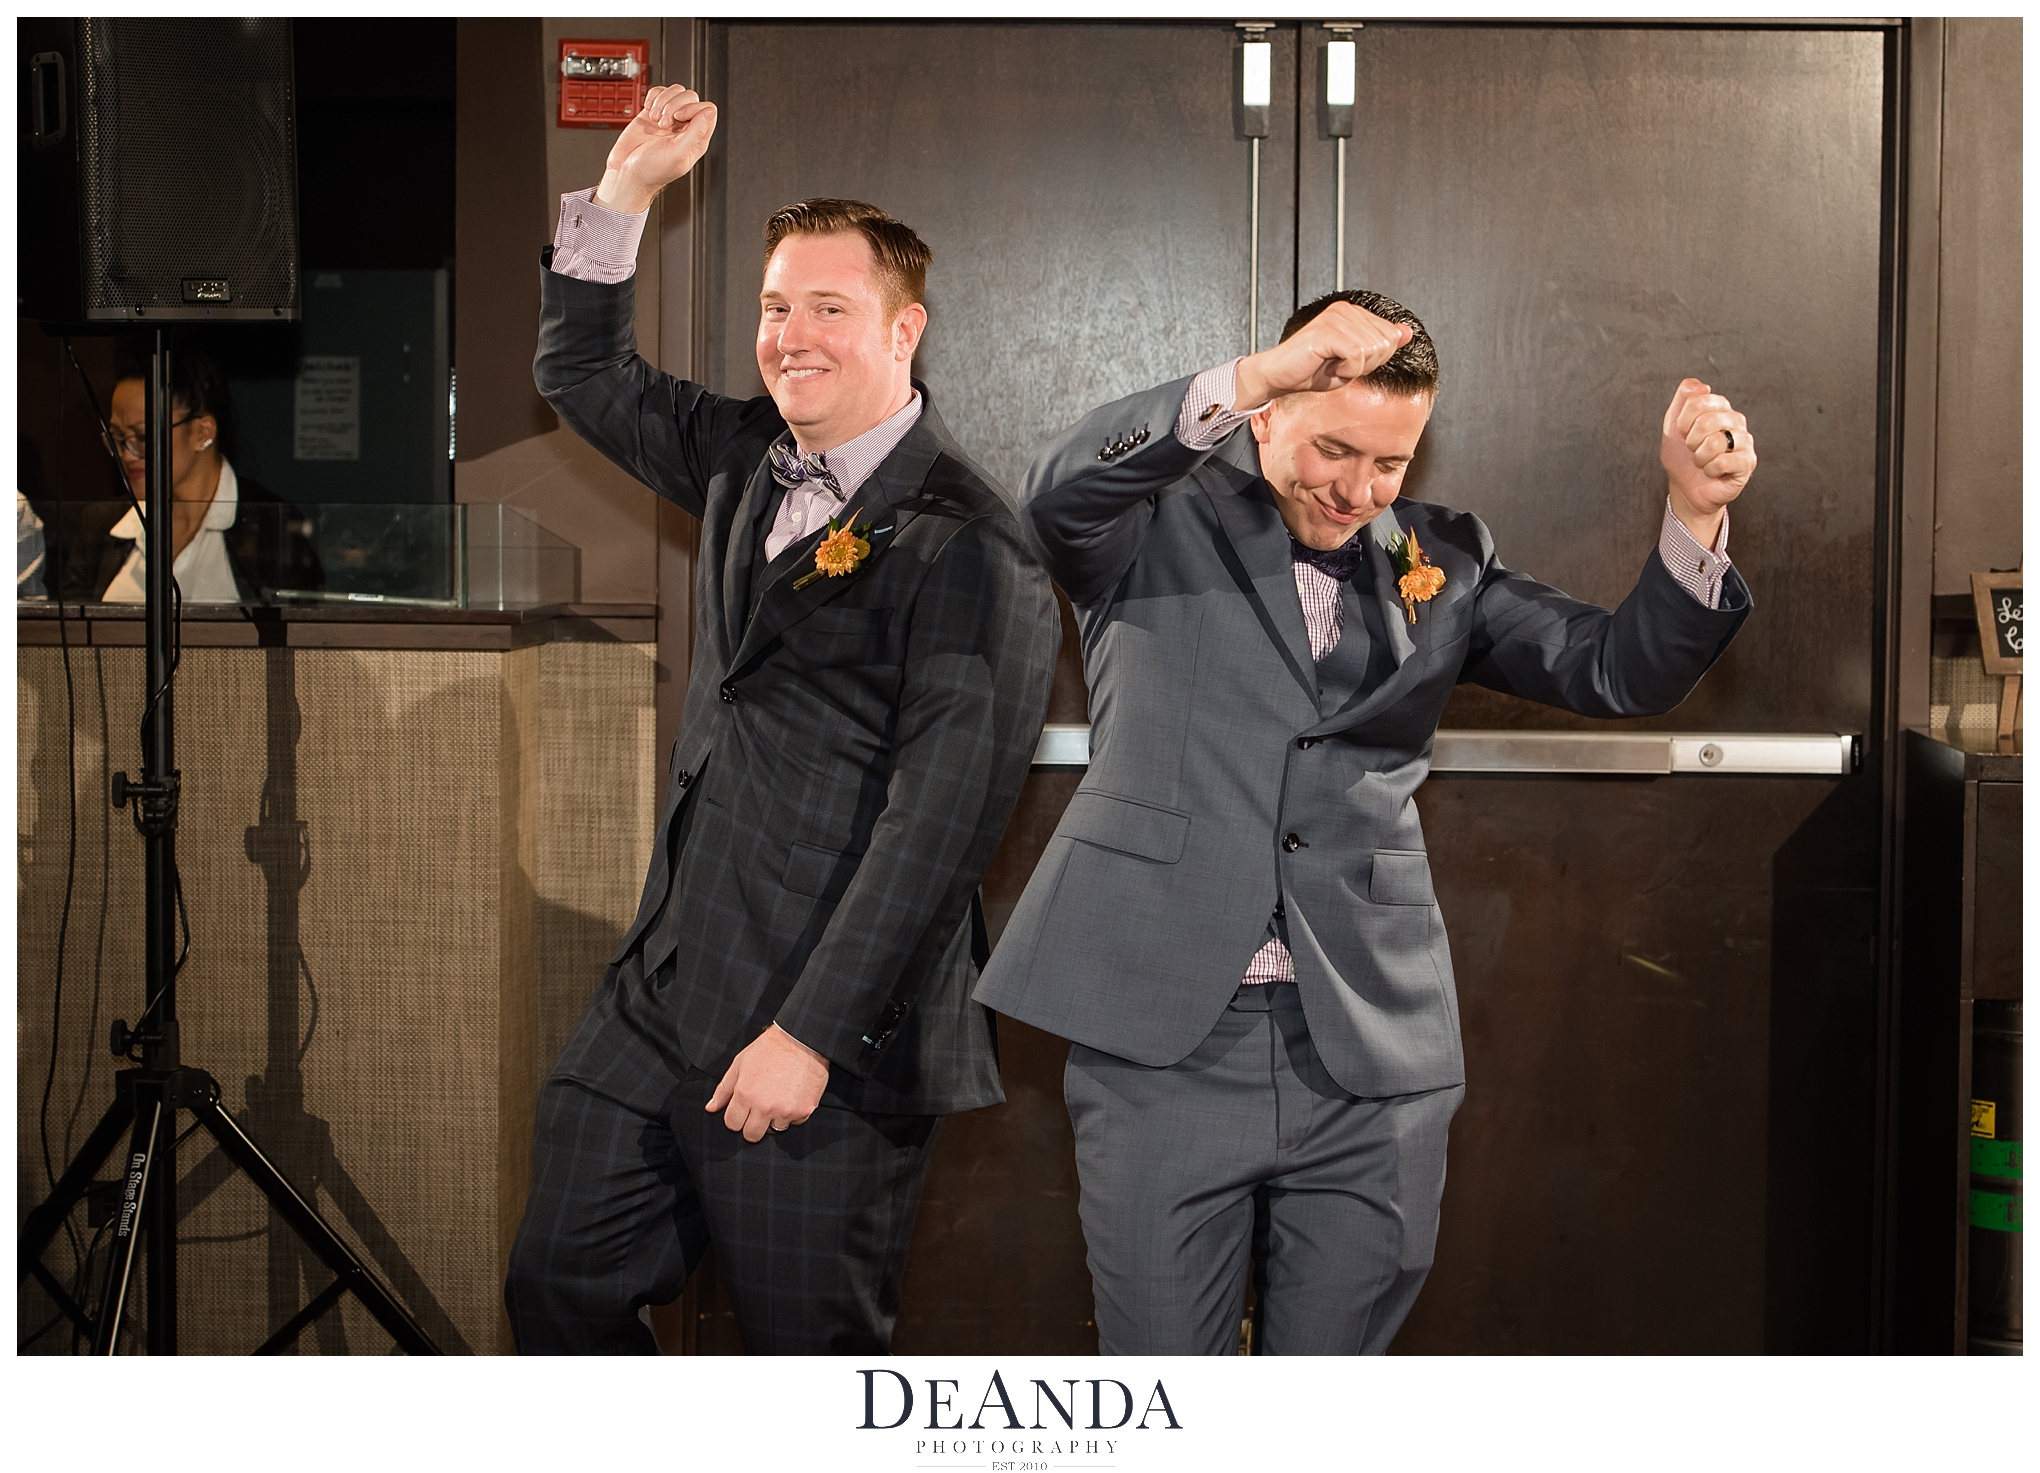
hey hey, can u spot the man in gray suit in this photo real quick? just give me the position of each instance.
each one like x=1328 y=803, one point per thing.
x=1234 y=920
x=873 y=645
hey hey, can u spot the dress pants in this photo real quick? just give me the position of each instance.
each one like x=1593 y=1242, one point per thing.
x=632 y=1179
x=1249 y=1145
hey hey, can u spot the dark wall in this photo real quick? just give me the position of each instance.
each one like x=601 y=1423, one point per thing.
x=500 y=226
x=376 y=143
x=375 y=104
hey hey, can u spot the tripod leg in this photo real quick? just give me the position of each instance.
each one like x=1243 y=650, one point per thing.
x=150 y=1107
x=308 y=1225
x=46 y=1221
x=161 y=1210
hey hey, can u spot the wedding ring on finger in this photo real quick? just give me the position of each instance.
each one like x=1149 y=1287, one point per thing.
x=1731 y=438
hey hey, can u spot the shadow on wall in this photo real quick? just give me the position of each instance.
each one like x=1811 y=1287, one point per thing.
x=1823 y=1087
x=391 y=1011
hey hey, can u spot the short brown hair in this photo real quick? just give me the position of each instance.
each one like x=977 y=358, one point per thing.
x=899 y=256
x=1411 y=370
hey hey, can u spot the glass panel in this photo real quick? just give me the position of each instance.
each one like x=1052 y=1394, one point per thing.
x=462 y=556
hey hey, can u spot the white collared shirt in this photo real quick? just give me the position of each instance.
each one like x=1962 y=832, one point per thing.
x=202 y=571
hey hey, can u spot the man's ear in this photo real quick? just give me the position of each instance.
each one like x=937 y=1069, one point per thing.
x=1262 y=420
x=907 y=329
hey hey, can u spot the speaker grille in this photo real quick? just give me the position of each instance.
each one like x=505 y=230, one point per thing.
x=190 y=163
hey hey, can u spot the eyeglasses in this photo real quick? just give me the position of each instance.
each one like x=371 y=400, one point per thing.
x=135 y=445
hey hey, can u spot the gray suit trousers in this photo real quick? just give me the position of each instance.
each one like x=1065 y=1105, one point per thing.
x=1248 y=1144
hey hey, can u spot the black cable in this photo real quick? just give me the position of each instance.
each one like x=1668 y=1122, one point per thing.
x=71 y=771
x=92 y=1033
x=184 y=927
x=313 y=1026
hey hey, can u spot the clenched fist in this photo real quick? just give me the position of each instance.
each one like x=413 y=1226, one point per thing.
x=1708 y=454
x=666 y=139
x=1340 y=344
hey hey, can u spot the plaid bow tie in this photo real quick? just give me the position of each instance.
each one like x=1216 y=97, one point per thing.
x=1340 y=562
x=790 y=468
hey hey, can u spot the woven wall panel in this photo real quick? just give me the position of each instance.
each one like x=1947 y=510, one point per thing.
x=368 y=995
x=599 y=790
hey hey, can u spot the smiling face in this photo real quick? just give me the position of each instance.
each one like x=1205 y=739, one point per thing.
x=835 y=361
x=1336 y=460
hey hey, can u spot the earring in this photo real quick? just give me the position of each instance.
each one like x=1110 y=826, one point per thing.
x=204 y=444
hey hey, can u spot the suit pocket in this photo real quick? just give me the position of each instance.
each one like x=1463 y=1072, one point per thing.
x=1401 y=877
x=1127 y=825
x=835 y=636
x=822 y=873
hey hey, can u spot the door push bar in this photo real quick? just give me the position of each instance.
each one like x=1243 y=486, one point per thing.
x=1583 y=753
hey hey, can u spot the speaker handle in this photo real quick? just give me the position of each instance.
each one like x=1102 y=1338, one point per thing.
x=45 y=75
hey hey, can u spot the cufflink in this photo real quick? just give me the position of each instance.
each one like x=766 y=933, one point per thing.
x=1209 y=413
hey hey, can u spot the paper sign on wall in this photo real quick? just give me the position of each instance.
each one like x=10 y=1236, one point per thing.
x=328 y=409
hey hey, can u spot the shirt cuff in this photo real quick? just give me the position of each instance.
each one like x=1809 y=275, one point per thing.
x=1699 y=570
x=1207 y=416
x=594 y=242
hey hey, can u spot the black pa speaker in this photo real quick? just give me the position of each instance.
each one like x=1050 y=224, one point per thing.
x=157 y=171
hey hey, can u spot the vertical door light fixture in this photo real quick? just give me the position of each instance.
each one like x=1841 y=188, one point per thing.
x=1256 y=94
x=1337 y=92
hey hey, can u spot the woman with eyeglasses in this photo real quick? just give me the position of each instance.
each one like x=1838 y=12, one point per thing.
x=220 y=553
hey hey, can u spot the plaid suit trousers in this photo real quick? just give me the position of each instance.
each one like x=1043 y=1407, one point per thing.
x=632 y=1179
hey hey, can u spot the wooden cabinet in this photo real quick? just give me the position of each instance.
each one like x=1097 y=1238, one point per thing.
x=1957 y=1037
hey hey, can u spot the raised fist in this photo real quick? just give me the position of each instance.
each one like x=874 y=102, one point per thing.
x=666 y=139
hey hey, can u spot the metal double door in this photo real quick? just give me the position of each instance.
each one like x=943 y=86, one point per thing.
x=1667 y=978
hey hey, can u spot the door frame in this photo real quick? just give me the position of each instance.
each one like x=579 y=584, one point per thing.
x=1902 y=594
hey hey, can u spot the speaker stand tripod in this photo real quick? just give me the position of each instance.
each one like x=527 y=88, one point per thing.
x=147 y=1100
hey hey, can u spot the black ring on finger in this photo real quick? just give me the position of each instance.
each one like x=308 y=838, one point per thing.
x=1731 y=438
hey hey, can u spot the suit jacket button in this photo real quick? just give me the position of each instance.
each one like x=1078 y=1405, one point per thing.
x=684 y=778
x=1304 y=744
x=1281 y=914
x=1290 y=844
x=729 y=695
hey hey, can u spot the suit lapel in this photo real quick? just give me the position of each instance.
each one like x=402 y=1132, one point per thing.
x=761 y=495
x=1383 y=530
x=1255 y=552
x=885 y=501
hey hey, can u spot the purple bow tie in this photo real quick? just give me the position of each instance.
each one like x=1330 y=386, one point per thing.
x=1340 y=562
x=790 y=468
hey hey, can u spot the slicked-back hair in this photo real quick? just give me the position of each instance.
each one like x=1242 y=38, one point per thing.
x=1412 y=369
x=899 y=256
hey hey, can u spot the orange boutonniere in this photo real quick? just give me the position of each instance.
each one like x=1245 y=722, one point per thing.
x=839 y=553
x=1419 y=581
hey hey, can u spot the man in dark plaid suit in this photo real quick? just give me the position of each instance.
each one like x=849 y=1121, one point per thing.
x=772 y=1044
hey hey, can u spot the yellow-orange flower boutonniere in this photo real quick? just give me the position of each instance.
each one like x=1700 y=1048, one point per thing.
x=839 y=553
x=1419 y=581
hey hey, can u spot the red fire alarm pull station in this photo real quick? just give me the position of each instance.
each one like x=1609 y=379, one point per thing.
x=602 y=83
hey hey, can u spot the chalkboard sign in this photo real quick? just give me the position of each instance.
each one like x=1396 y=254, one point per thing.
x=2001 y=620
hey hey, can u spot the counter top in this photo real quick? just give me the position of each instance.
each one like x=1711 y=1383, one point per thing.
x=1975 y=753
x=345 y=627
